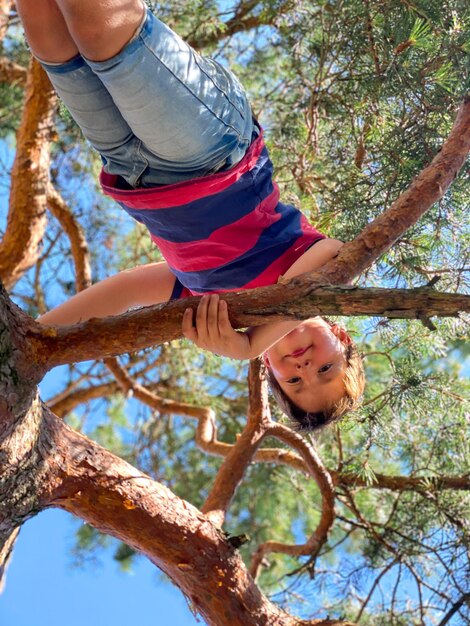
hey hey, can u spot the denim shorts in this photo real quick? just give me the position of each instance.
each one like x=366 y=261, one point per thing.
x=157 y=112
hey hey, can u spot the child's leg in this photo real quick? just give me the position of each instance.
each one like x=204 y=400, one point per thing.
x=101 y=28
x=141 y=286
x=191 y=114
x=81 y=90
x=46 y=30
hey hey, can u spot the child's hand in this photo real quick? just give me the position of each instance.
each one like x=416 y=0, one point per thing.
x=213 y=330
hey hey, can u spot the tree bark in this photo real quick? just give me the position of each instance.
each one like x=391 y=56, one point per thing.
x=76 y=235
x=117 y=499
x=153 y=325
x=22 y=444
x=12 y=73
x=26 y=223
x=75 y=474
x=45 y=463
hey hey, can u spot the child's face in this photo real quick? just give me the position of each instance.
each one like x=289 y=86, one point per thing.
x=309 y=364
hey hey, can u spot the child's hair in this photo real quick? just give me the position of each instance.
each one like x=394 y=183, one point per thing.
x=354 y=382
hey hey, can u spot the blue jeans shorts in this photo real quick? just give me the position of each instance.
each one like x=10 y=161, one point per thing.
x=157 y=112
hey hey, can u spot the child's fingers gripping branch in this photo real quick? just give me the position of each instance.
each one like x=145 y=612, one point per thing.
x=213 y=331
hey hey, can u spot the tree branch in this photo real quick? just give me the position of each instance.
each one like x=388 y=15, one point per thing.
x=464 y=599
x=136 y=329
x=117 y=499
x=26 y=223
x=206 y=432
x=322 y=477
x=297 y=299
x=427 y=188
x=5 y=555
x=241 y=453
x=76 y=236
x=241 y=22
x=62 y=404
x=131 y=387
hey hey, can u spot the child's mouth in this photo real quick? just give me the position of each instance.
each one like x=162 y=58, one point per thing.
x=299 y=352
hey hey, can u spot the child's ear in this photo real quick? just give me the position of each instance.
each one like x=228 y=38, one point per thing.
x=341 y=333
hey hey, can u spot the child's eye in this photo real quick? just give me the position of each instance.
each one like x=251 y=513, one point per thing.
x=325 y=368
x=293 y=381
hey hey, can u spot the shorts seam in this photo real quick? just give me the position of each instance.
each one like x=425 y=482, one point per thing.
x=213 y=81
x=138 y=172
x=237 y=132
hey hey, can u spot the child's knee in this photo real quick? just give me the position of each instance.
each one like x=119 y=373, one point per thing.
x=101 y=28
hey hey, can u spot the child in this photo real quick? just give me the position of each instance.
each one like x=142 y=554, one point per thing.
x=183 y=155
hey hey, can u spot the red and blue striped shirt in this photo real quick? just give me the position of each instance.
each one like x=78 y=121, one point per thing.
x=223 y=232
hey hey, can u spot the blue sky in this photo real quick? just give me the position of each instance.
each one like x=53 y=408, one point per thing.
x=44 y=589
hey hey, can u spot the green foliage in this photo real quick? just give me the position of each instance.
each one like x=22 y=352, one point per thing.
x=356 y=97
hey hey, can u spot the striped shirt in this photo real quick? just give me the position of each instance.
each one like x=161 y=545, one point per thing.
x=223 y=232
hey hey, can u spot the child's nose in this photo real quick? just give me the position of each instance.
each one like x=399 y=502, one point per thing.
x=303 y=363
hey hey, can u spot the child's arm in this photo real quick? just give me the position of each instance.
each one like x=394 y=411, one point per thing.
x=214 y=332
x=141 y=286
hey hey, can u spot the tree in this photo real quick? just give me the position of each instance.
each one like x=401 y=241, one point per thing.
x=388 y=519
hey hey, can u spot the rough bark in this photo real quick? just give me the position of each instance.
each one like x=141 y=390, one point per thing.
x=79 y=476
x=21 y=469
x=153 y=325
x=26 y=223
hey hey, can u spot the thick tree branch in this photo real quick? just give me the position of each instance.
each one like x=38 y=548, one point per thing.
x=117 y=499
x=136 y=329
x=26 y=223
x=20 y=441
x=149 y=326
